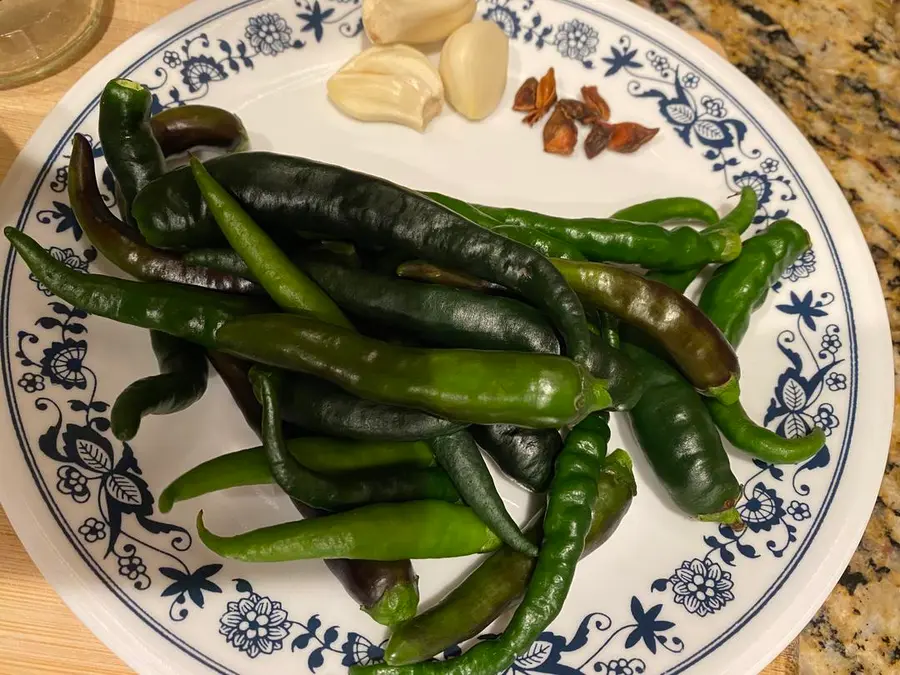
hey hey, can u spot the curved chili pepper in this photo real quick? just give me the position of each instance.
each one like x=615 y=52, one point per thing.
x=525 y=455
x=737 y=220
x=423 y=271
x=283 y=193
x=122 y=245
x=501 y=579
x=573 y=493
x=538 y=390
x=461 y=459
x=647 y=245
x=426 y=529
x=689 y=337
x=190 y=313
x=290 y=288
x=182 y=382
x=183 y=128
x=668 y=208
x=682 y=443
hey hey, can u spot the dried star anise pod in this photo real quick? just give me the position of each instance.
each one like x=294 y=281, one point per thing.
x=596 y=107
x=574 y=110
x=546 y=97
x=629 y=136
x=560 y=134
x=526 y=97
x=598 y=139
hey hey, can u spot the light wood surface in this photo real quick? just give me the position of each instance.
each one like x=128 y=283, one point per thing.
x=38 y=633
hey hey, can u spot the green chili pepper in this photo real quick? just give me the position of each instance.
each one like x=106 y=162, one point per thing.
x=608 y=240
x=572 y=495
x=132 y=153
x=608 y=325
x=181 y=384
x=465 y=209
x=624 y=381
x=122 y=245
x=423 y=271
x=323 y=407
x=321 y=455
x=689 y=337
x=682 y=443
x=538 y=390
x=501 y=579
x=182 y=311
x=525 y=455
x=222 y=259
x=283 y=193
x=737 y=220
x=184 y=128
x=668 y=208
x=426 y=529
x=461 y=459
x=441 y=316
x=290 y=288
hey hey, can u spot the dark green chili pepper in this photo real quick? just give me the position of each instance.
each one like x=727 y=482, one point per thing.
x=280 y=192
x=221 y=259
x=122 y=245
x=132 y=153
x=737 y=220
x=465 y=209
x=290 y=288
x=321 y=455
x=461 y=459
x=623 y=378
x=190 y=313
x=668 y=208
x=427 y=529
x=323 y=407
x=481 y=387
x=181 y=383
x=235 y=374
x=647 y=245
x=682 y=443
x=184 y=128
x=689 y=337
x=546 y=245
x=500 y=580
x=423 y=271
x=608 y=325
x=446 y=317
x=525 y=455
x=572 y=496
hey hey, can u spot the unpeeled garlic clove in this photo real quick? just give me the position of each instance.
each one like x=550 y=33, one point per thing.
x=393 y=83
x=474 y=61
x=414 y=21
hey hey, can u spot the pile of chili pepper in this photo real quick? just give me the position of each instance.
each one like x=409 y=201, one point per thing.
x=381 y=341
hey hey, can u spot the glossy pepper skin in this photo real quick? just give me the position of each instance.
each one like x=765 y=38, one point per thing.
x=647 y=245
x=536 y=390
x=682 y=443
x=737 y=220
x=501 y=579
x=322 y=407
x=123 y=246
x=187 y=127
x=668 y=208
x=131 y=151
x=525 y=455
x=279 y=191
x=425 y=529
x=289 y=287
x=437 y=315
x=182 y=382
x=460 y=457
x=336 y=493
x=423 y=271
x=572 y=495
x=687 y=335
x=622 y=376
x=190 y=313
x=321 y=455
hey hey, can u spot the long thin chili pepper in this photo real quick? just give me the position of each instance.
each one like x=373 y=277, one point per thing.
x=668 y=208
x=423 y=271
x=461 y=459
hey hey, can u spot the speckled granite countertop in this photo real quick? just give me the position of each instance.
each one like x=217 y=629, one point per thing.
x=834 y=67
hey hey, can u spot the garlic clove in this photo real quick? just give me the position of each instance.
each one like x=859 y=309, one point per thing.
x=474 y=63
x=414 y=21
x=388 y=84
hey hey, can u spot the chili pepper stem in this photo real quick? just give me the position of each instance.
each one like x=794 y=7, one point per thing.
x=729 y=517
x=600 y=395
x=399 y=600
x=731 y=249
x=727 y=393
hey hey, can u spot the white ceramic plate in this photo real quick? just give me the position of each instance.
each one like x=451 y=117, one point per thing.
x=817 y=353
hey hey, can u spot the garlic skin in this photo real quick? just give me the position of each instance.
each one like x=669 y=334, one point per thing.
x=474 y=63
x=393 y=83
x=414 y=21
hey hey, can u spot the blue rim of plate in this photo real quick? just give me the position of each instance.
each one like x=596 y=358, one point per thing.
x=168 y=635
